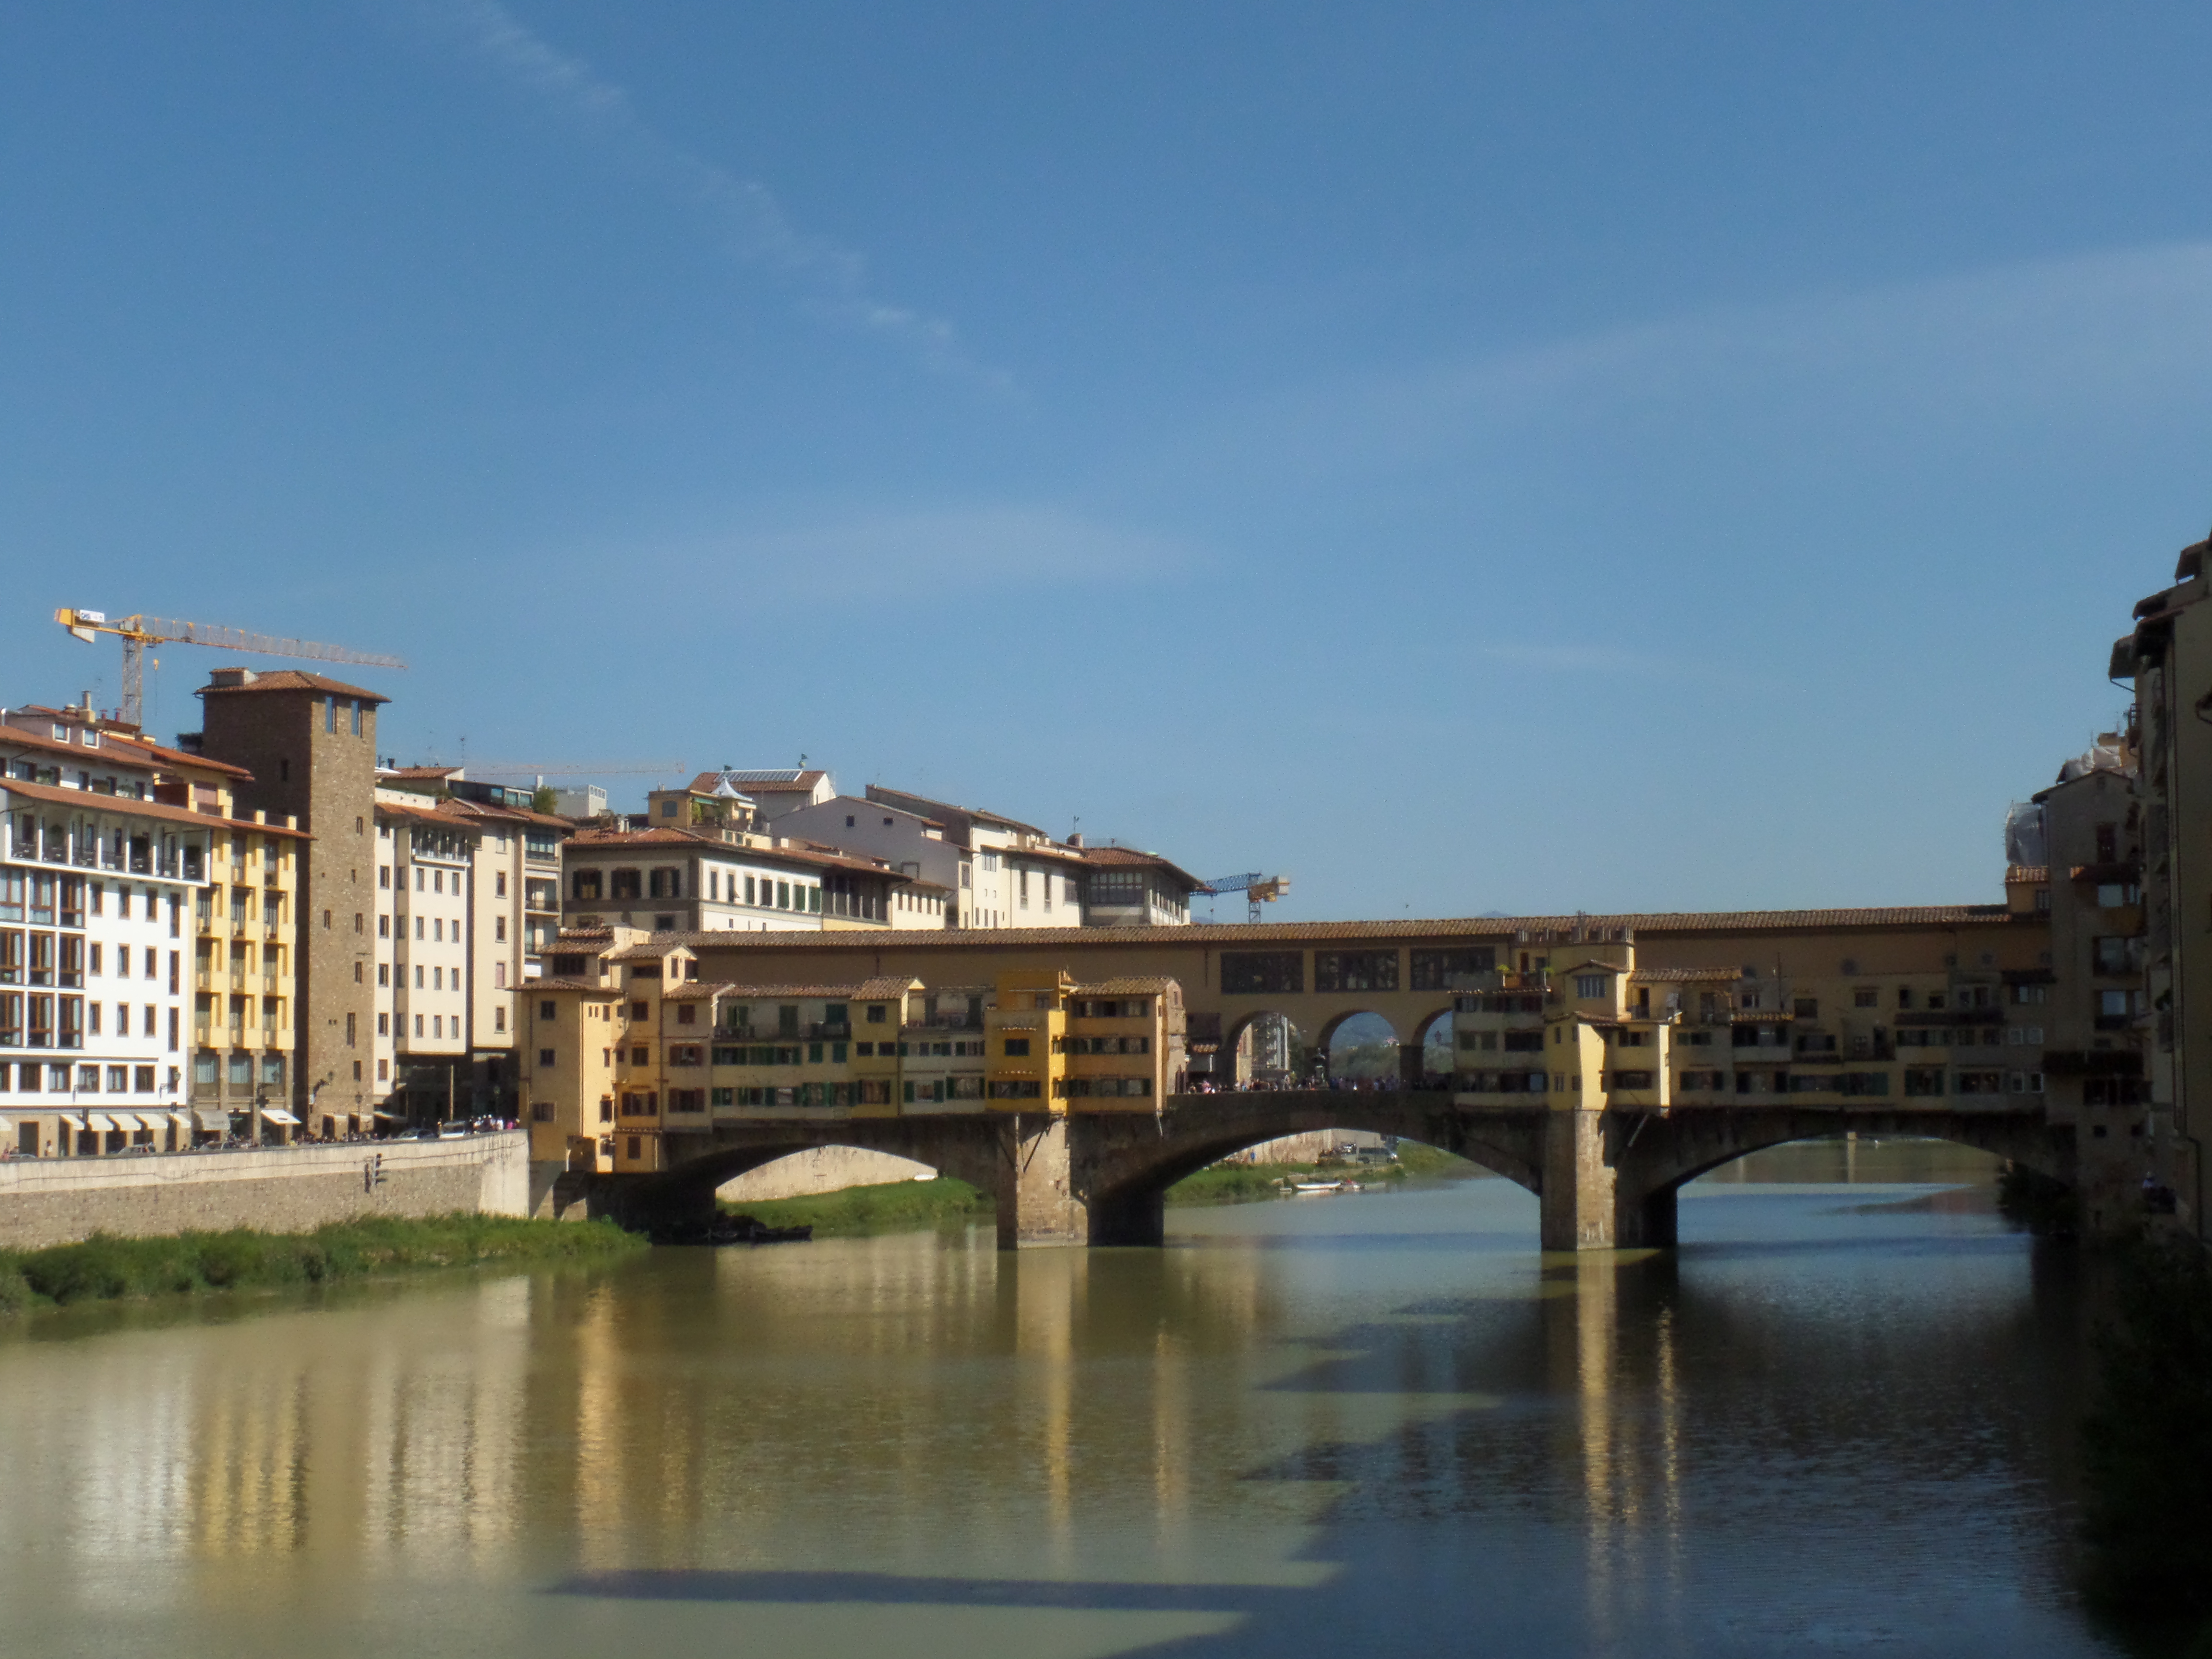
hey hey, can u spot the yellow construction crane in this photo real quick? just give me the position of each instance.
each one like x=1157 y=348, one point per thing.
x=1257 y=889
x=136 y=632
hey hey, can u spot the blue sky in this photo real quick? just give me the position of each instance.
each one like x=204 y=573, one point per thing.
x=1510 y=457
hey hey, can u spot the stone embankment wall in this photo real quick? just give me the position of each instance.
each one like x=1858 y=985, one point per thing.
x=292 y=1189
x=823 y=1170
x=1309 y=1148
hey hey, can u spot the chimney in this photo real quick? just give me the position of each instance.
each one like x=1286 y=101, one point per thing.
x=1075 y=840
x=230 y=679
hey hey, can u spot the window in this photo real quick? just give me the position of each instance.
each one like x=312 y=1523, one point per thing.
x=1588 y=985
x=1355 y=971
x=499 y=1019
x=1016 y=1047
x=1866 y=997
x=2115 y=954
x=1434 y=970
x=1247 y=973
x=2031 y=995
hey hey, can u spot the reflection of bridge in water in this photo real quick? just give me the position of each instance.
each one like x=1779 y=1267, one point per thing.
x=1606 y=1180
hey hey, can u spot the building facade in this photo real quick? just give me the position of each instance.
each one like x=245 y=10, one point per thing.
x=627 y=1044
x=120 y=868
x=310 y=745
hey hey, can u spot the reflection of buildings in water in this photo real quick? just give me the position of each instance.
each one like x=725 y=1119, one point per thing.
x=1048 y=1296
x=1628 y=1431
x=443 y=1431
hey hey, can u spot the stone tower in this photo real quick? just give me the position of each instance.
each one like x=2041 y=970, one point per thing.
x=311 y=744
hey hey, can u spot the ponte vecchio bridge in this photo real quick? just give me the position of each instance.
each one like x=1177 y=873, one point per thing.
x=1825 y=1024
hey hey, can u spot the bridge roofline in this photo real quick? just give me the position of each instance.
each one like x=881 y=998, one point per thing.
x=1502 y=929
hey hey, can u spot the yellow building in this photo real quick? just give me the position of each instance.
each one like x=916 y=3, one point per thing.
x=1125 y=1045
x=1587 y=1029
x=570 y=1034
x=1025 y=1033
x=242 y=974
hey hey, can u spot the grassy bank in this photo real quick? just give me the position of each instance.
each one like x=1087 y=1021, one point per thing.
x=107 y=1268
x=891 y=1207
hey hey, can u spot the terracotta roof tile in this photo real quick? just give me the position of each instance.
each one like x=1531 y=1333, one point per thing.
x=773 y=780
x=2026 y=874
x=116 y=748
x=1280 y=934
x=888 y=989
x=82 y=801
x=1135 y=984
x=1126 y=857
x=293 y=679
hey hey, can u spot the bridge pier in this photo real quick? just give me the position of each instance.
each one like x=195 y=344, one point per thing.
x=1038 y=1203
x=1592 y=1196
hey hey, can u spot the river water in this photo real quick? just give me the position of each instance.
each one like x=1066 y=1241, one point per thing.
x=1837 y=1420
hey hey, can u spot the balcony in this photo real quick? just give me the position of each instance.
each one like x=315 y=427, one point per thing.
x=836 y=1030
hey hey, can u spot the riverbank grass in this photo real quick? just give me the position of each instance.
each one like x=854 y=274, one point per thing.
x=886 y=1206
x=104 y=1267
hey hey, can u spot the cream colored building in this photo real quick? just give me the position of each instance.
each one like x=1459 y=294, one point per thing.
x=145 y=977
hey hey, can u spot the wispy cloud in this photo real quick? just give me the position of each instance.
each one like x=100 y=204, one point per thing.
x=755 y=230
x=932 y=552
x=2049 y=342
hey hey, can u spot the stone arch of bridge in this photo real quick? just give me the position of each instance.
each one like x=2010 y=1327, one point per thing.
x=1125 y=1187
x=1234 y=1027
x=2031 y=1144
x=967 y=1148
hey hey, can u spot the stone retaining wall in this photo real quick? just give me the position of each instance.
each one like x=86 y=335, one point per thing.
x=292 y=1189
x=820 y=1169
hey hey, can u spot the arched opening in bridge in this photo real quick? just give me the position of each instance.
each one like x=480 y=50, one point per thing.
x=1264 y=1050
x=1362 y=1050
x=1852 y=1159
x=818 y=1169
x=1436 y=1045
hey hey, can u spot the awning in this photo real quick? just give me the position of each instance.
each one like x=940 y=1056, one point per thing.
x=389 y=1117
x=181 y=1121
x=213 y=1122
x=129 y=1122
x=277 y=1114
x=97 y=1124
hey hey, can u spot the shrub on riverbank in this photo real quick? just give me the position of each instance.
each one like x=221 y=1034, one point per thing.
x=104 y=1267
x=887 y=1207
x=2148 y=1440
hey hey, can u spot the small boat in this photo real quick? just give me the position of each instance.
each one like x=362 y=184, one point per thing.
x=1318 y=1186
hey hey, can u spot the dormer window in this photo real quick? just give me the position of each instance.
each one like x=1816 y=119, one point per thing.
x=1589 y=985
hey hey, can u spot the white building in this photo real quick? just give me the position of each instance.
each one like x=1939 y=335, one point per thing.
x=97 y=882
x=999 y=872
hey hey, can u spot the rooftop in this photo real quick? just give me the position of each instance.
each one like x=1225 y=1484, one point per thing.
x=285 y=679
x=1287 y=934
